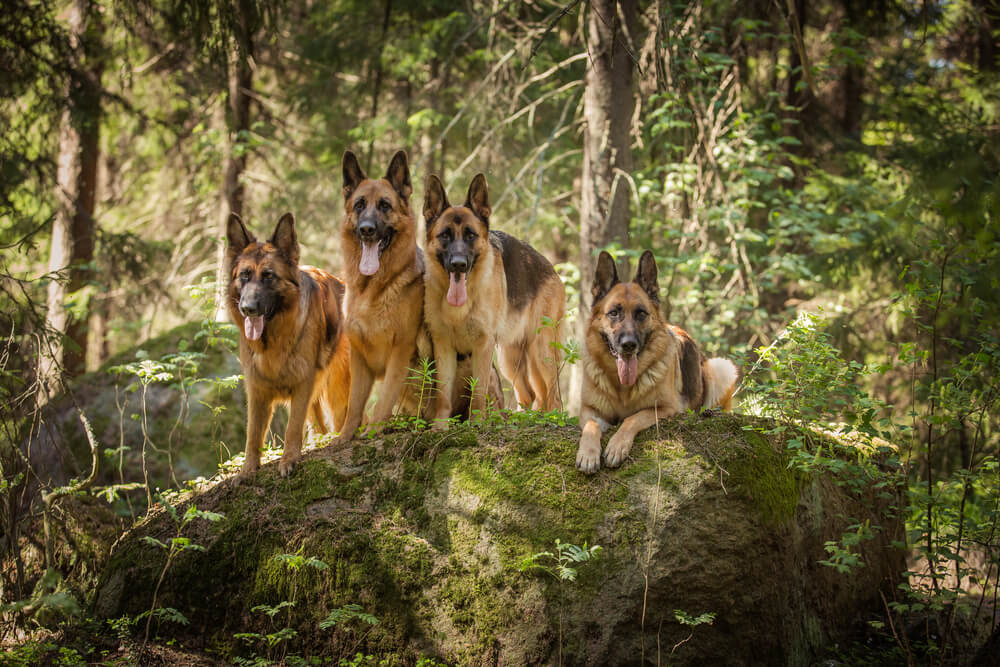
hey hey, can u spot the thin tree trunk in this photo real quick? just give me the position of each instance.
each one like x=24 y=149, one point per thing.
x=72 y=245
x=607 y=155
x=852 y=82
x=240 y=74
x=377 y=86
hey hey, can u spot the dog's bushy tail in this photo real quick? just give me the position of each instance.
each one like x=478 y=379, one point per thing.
x=720 y=377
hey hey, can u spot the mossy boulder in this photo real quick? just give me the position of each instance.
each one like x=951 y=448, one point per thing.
x=427 y=532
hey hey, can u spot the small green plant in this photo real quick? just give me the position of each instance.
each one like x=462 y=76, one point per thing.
x=347 y=613
x=280 y=637
x=686 y=619
x=178 y=544
x=562 y=565
x=565 y=353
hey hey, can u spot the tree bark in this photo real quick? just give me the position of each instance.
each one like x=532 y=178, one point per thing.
x=72 y=246
x=607 y=155
x=240 y=84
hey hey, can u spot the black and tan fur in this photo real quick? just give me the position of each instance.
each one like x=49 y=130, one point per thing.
x=637 y=368
x=292 y=346
x=486 y=289
x=385 y=293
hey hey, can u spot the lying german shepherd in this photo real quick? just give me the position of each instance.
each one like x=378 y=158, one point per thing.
x=384 y=272
x=483 y=288
x=292 y=346
x=637 y=368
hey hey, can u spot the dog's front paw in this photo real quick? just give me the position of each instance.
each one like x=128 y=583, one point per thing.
x=588 y=457
x=287 y=464
x=618 y=449
x=248 y=470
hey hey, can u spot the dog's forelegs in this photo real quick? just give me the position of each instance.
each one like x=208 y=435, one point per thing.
x=297 y=411
x=259 y=408
x=588 y=455
x=446 y=367
x=621 y=442
x=396 y=371
x=362 y=379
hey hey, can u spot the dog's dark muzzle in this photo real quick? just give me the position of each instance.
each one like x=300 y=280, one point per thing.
x=627 y=343
x=256 y=301
x=459 y=258
x=368 y=229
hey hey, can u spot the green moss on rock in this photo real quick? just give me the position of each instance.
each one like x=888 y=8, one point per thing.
x=426 y=531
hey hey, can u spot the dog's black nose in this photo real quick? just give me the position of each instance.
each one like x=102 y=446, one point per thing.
x=628 y=344
x=458 y=265
x=366 y=229
x=250 y=308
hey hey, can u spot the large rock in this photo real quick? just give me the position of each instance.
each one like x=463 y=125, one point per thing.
x=427 y=532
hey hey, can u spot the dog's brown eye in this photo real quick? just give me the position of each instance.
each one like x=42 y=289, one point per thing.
x=244 y=275
x=469 y=236
x=384 y=205
x=640 y=315
x=267 y=275
x=359 y=204
x=615 y=313
x=445 y=236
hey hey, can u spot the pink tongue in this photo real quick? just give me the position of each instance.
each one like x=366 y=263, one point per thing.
x=628 y=370
x=456 y=289
x=369 y=259
x=254 y=327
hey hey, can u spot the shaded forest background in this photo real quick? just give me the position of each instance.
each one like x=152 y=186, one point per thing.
x=778 y=157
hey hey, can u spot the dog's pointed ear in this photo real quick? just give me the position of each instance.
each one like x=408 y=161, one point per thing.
x=478 y=198
x=398 y=175
x=645 y=276
x=237 y=235
x=435 y=201
x=353 y=174
x=605 y=277
x=285 y=240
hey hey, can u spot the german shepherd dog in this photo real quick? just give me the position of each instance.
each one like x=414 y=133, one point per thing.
x=292 y=346
x=384 y=272
x=486 y=288
x=637 y=368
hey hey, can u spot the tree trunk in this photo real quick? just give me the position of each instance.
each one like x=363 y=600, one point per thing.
x=607 y=155
x=72 y=246
x=852 y=82
x=240 y=76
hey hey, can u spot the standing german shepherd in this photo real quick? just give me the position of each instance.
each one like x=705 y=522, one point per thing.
x=384 y=272
x=638 y=368
x=483 y=288
x=292 y=346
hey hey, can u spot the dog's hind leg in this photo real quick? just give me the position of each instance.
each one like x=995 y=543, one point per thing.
x=317 y=416
x=514 y=366
x=543 y=374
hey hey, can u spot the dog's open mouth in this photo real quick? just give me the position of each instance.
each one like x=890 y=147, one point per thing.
x=628 y=370
x=628 y=367
x=253 y=327
x=457 y=294
x=371 y=251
